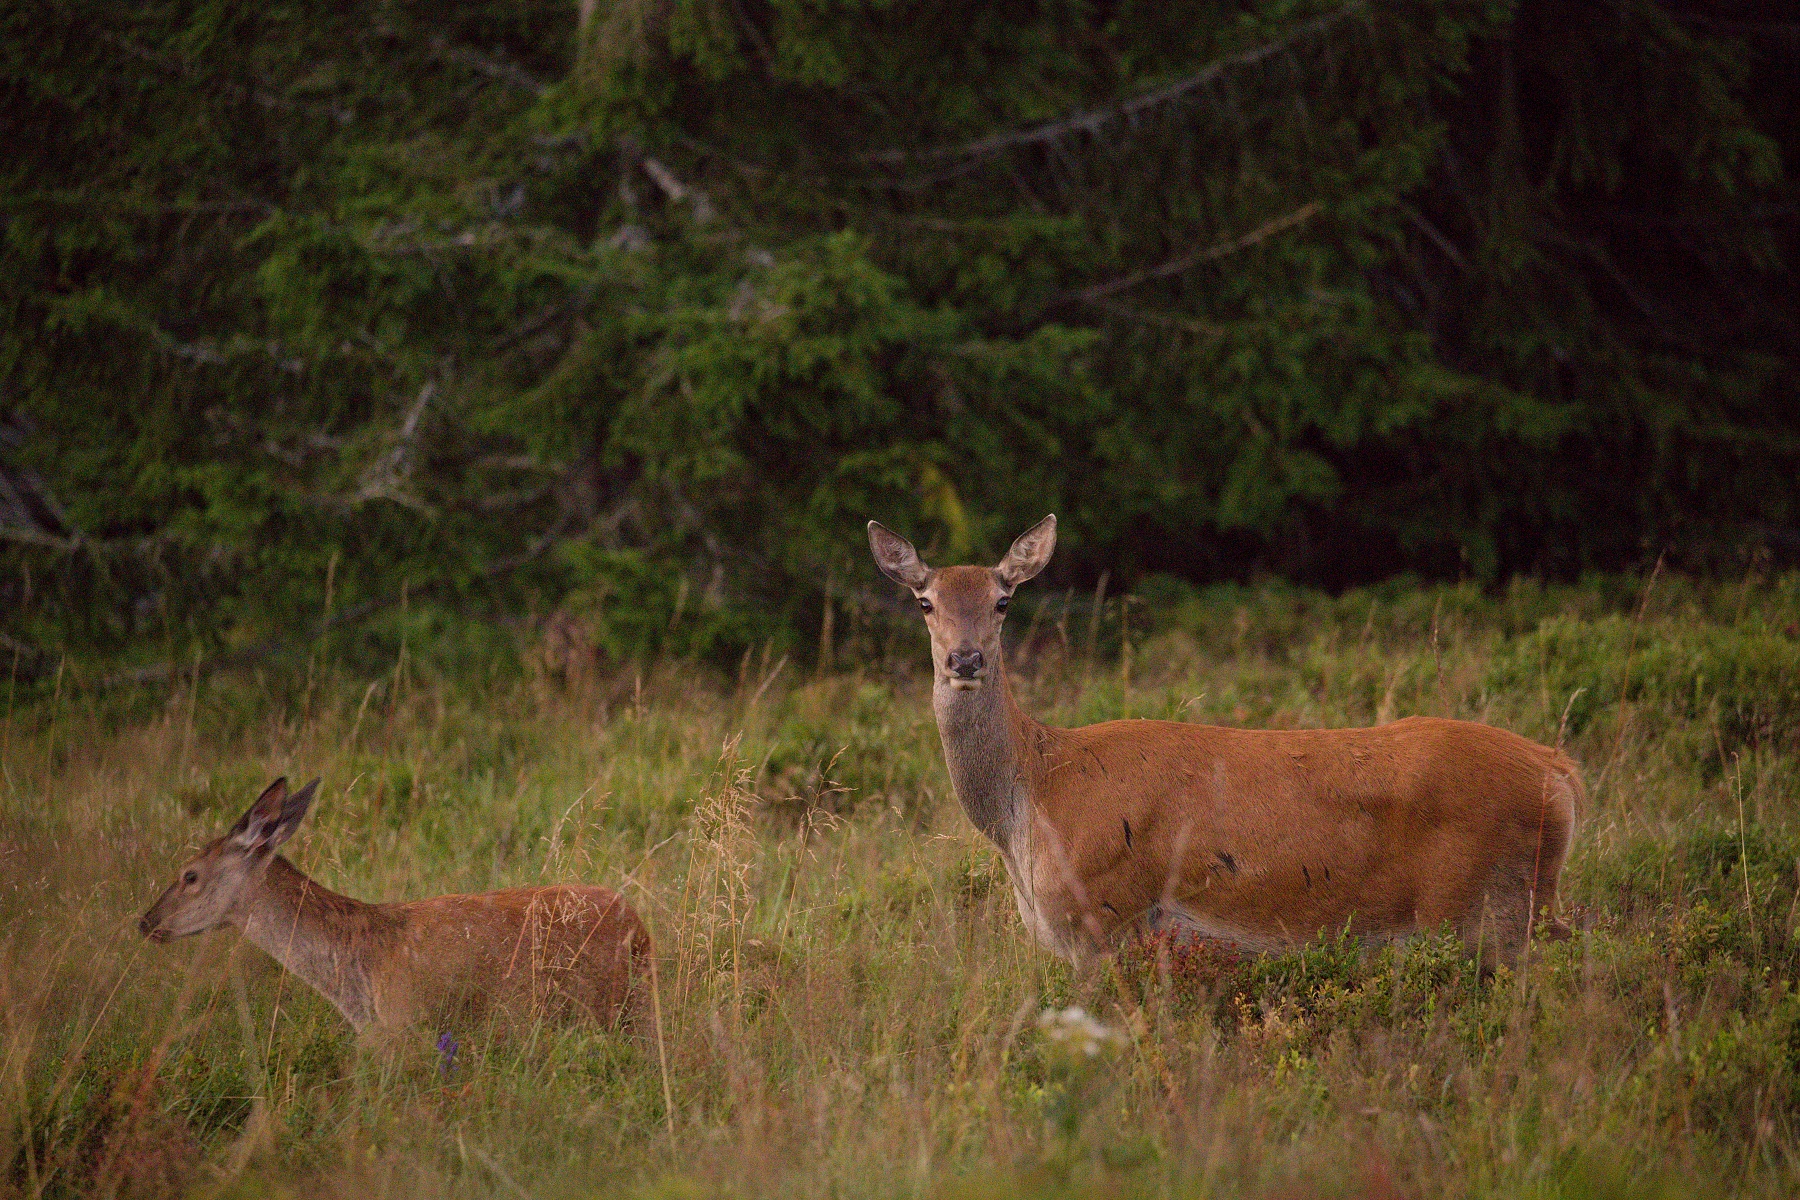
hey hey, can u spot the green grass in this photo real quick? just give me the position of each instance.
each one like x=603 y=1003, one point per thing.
x=848 y=1003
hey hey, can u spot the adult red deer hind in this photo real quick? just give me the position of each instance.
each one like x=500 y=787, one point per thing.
x=1264 y=838
x=459 y=961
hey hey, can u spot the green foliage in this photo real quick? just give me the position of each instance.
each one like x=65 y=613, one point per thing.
x=1726 y=892
x=1742 y=680
x=651 y=304
x=859 y=750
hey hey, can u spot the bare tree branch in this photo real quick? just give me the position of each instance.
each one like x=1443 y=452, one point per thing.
x=29 y=511
x=1165 y=320
x=1185 y=262
x=31 y=537
x=1436 y=236
x=1091 y=120
x=121 y=203
x=19 y=650
x=519 y=462
x=671 y=186
x=545 y=317
x=386 y=477
x=493 y=68
x=171 y=65
x=1666 y=328
x=517 y=498
x=96 y=547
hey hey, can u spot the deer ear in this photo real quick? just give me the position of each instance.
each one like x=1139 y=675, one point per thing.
x=897 y=558
x=1030 y=553
x=273 y=818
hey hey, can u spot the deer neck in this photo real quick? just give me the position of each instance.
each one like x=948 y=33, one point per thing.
x=987 y=746
x=321 y=936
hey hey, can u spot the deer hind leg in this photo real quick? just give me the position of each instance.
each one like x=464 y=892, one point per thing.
x=1495 y=926
x=1549 y=926
x=1500 y=922
x=1522 y=885
x=1557 y=829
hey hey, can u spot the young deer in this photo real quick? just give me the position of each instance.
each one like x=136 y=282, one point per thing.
x=1260 y=837
x=559 y=952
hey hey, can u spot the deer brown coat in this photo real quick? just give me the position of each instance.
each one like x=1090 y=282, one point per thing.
x=1263 y=837
x=457 y=962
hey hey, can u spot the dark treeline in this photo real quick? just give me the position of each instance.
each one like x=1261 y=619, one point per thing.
x=653 y=302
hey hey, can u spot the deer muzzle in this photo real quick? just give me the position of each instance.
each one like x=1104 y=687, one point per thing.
x=965 y=666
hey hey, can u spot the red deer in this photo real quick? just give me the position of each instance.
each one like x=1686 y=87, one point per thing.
x=557 y=952
x=1265 y=838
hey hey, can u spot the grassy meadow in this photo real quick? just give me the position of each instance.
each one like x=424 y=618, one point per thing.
x=846 y=1004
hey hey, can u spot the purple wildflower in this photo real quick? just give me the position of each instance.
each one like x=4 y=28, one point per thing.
x=447 y=1047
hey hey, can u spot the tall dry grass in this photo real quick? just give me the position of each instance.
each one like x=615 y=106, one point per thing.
x=845 y=1003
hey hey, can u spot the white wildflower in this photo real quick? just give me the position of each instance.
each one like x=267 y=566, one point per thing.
x=1077 y=1031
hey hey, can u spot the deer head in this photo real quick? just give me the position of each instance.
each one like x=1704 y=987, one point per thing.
x=964 y=606
x=212 y=883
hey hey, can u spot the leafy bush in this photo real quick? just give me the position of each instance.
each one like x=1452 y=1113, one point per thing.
x=1743 y=679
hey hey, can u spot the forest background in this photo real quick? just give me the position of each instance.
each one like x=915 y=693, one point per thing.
x=642 y=307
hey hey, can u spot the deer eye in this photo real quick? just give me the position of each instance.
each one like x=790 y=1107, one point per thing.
x=924 y=604
x=1000 y=604
x=190 y=877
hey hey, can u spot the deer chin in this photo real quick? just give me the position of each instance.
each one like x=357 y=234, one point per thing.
x=958 y=683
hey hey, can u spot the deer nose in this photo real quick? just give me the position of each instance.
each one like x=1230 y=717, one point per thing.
x=965 y=664
x=145 y=925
